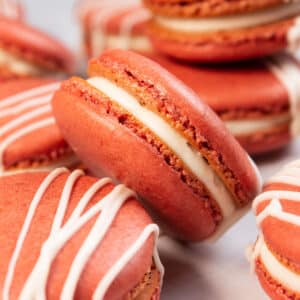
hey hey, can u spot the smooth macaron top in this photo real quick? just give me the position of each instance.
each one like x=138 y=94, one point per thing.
x=166 y=95
x=128 y=223
x=208 y=8
x=28 y=134
x=34 y=46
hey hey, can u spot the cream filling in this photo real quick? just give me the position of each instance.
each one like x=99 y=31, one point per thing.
x=231 y=22
x=138 y=43
x=17 y=65
x=174 y=140
x=245 y=127
x=276 y=269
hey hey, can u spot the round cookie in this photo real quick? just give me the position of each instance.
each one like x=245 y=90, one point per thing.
x=221 y=31
x=69 y=236
x=29 y=137
x=275 y=256
x=138 y=123
x=11 y=9
x=27 y=52
x=258 y=101
x=113 y=25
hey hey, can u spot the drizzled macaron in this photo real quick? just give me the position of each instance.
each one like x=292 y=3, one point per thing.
x=68 y=236
x=143 y=126
x=222 y=31
x=29 y=137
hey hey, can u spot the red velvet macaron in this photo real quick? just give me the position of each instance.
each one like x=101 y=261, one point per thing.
x=221 y=31
x=259 y=101
x=143 y=126
x=68 y=236
x=29 y=137
x=276 y=255
x=113 y=25
x=26 y=52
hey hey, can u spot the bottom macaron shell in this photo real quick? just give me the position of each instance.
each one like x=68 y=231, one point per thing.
x=274 y=289
x=103 y=150
x=124 y=230
x=221 y=46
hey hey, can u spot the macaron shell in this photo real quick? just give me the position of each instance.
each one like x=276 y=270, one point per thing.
x=222 y=46
x=207 y=8
x=16 y=194
x=100 y=152
x=34 y=45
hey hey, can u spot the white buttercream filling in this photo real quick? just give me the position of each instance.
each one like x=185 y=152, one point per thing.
x=276 y=269
x=231 y=22
x=173 y=139
x=18 y=65
x=244 y=127
x=138 y=42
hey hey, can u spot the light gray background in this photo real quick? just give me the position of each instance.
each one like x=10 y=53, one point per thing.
x=196 y=272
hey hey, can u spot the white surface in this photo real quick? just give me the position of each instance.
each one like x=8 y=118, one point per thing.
x=193 y=272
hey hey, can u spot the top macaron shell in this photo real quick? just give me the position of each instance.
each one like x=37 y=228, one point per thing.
x=34 y=46
x=147 y=80
x=16 y=194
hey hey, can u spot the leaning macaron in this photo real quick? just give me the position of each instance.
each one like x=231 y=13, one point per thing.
x=143 y=126
x=276 y=255
x=259 y=101
x=69 y=236
x=113 y=25
x=29 y=137
x=27 y=52
x=222 y=31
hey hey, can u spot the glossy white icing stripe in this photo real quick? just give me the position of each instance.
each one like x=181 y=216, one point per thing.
x=23 y=233
x=10 y=8
x=20 y=133
x=287 y=70
x=105 y=211
x=232 y=22
x=173 y=139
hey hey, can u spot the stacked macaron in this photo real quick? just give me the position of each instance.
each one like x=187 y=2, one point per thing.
x=113 y=25
x=27 y=52
x=275 y=256
x=29 y=137
x=68 y=236
x=257 y=91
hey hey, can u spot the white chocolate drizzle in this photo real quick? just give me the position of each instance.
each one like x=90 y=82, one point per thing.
x=105 y=212
x=293 y=37
x=290 y=175
x=287 y=71
x=28 y=111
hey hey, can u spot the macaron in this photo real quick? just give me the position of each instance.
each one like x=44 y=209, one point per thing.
x=69 y=236
x=27 y=52
x=113 y=25
x=222 y=31
x=275 y=257
x=29 y=136
x=11 y=9
x=135 y=121
x=259 y=101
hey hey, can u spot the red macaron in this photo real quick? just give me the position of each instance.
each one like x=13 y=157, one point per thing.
x=29 y=136
x=259 y=101
x=66 y=235
x=221 y=31
x=276 y=255
x=26 y=52
x=143 y=126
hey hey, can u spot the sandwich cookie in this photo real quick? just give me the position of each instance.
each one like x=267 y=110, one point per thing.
x=27 y=52
x=258 y=101
x=276 y=255
x=143 y=126
x=69 y=236
x=108 y=26
x=29 y=137
x=222 y=31
x=11 y=9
